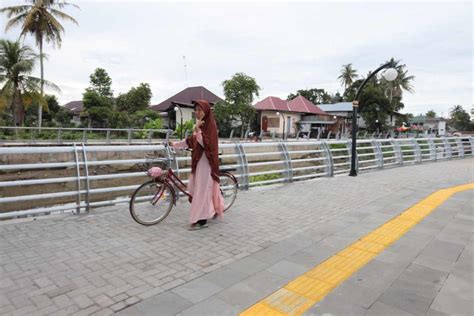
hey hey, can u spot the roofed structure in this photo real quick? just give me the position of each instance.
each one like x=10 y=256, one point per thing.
x=185 y=98
x=299 y=105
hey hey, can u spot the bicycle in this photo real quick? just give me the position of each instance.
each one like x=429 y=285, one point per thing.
x=153 y=201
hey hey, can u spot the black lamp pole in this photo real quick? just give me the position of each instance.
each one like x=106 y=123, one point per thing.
x=355 y=104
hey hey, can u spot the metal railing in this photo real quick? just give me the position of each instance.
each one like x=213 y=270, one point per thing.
x=77 y=178
x=62 y=135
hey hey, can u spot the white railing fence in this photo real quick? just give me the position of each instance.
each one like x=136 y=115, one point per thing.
x=79 y=177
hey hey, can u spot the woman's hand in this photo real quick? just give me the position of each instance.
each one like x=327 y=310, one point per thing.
x=198 y=125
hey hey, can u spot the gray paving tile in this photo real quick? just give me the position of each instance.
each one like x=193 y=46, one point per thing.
x=416 y=271
x=211 y=307
x=406 y=300
x=452 y=304
x=197 y=290
x=225 y=277
x=379 y=309
x=332 y=306
x=248 y=265
x=348 y=292
x=164 y=304
x=376 y=274
x=287 y=269
x=241 y=295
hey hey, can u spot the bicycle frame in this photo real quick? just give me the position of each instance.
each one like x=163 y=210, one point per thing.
x=174 y=181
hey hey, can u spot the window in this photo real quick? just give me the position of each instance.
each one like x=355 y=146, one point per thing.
x=273 y=122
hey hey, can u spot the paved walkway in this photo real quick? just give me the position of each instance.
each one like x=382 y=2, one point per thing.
x=104 y=263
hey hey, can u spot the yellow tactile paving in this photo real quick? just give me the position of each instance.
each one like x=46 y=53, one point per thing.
x=300 y=294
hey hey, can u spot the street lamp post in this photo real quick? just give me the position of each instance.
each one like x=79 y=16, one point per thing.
x=389 y=75
x=176 y=109
x=278 y=113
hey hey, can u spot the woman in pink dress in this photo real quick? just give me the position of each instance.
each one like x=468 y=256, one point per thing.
x=207 y=201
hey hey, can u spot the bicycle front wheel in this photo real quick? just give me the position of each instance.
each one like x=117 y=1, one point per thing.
x=228 y=190
x=151 y=203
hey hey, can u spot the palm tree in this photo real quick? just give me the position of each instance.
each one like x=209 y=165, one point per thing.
x=40 y=19
x=348 y=75
x=402 y=82
x=19 y=89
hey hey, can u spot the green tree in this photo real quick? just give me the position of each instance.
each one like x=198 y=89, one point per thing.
x=394 y=89
x=316 y=96
x=337 y=98
x=101 y=83
x=136 y=99
x=347 y=76
x=223 y=112
x=140 y=118
x=98 y=109
x=239 y=92
x=431 y=114
x=41 y=20
x=373 y=106
x=187 y=127
x=19 y=89
x=100 y=116
x=460 y=119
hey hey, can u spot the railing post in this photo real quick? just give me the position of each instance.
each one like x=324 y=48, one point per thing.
x=329 y=135
x=231 y=134
x=59 y=136
x=84 y=136
x=243 y=166
x=398 y=151
x=286 y=160
x=78 y=183
x=447 y=148
x=328 y=158
x=460 y=148
x=86 y=174
x=416 y=150
x=246 y=134
x=150 y=133
x=378 y=153
x=129 y=136
x=432 y=149
x=108 y=137
x=471 y=141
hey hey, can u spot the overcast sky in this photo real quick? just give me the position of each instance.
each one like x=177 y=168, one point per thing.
x=284 y=46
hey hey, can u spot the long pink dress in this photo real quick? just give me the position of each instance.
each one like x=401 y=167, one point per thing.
x=207 y=198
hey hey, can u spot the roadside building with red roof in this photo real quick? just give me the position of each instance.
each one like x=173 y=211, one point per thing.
x=289 y=117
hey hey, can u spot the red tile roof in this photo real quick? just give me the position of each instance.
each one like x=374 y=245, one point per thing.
x=272 y=103
x=299 y=104
x=303 y=105
x=185 y=97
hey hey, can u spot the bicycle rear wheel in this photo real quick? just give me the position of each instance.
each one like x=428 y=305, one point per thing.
x=228 y=190
x=151 y=203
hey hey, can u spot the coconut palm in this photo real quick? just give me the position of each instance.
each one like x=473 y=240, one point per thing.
x=348 y=75
x=403 y=82
x=18 y=88
x=40 y=19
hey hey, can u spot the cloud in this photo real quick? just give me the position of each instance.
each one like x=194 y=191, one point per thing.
x=285 y=46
